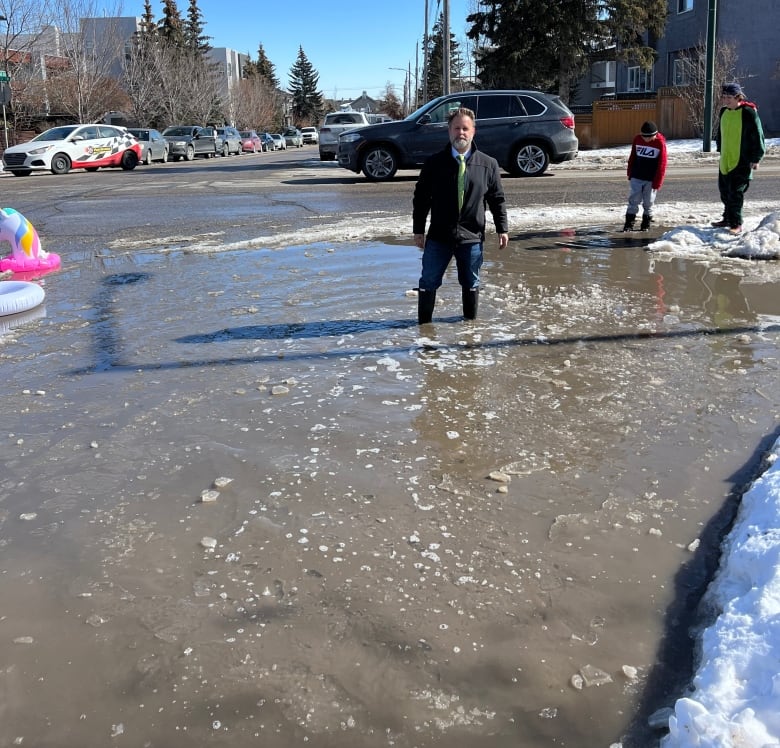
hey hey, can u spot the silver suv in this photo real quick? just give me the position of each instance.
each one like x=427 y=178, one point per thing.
x=334 y=124
x=525 y=131
x=229 y=141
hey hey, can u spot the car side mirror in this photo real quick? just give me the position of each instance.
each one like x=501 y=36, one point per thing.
x=424 y=120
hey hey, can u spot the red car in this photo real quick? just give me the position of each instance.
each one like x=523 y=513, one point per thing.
x=250 y=142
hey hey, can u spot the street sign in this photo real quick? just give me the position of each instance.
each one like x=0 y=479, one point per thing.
x=4 y=77
x=5 y=93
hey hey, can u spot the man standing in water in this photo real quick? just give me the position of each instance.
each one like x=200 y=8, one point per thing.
x=454 y=186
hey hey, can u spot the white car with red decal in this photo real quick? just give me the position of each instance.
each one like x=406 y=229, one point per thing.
x=69 y=147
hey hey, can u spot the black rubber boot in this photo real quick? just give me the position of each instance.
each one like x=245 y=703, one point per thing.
x=426 y=300
x=646 y=221
x=470 y=298
x=630 y=220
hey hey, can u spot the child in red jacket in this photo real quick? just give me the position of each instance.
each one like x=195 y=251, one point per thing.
x=646 y=171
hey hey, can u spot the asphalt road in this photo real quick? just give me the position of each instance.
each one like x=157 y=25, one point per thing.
x=241 y=195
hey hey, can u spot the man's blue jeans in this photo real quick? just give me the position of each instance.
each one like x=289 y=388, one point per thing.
x=436 y=257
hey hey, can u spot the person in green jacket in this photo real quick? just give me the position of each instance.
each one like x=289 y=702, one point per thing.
x=740 y=141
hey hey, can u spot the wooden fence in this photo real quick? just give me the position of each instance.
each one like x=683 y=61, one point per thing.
x=616 y=122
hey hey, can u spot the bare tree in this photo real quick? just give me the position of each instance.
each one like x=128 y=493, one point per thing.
x=390 y=104
x=254 y=103
x=143 y=76
x=694 y=73
x=90 y=42
x=22 y=35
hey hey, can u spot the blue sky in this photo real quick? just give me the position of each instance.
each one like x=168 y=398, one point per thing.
x=351 y=44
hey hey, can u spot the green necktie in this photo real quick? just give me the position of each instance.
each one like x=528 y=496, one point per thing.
x=461 y=179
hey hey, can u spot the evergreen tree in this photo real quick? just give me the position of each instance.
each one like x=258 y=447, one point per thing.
x=306 y=99
x=525 y=43
x=171 y=27
x=266 y=68
x=148 y=24
x=194 y=37
x=435 y=72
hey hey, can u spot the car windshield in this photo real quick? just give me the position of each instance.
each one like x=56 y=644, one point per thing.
x=178 y=131
x=245 y=134
x=343 y=118
x=430 y=105
x=140 y=134
x=57 y=133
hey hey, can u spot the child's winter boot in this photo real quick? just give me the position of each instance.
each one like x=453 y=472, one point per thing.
x=629 y=224
x=646 y=221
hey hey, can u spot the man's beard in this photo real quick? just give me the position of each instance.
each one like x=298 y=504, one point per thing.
x=461 y=143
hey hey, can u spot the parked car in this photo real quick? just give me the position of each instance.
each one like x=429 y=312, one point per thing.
x=524 y=131
x=228 y=141
x=281 y=143
x=333 y=125
x=310 y=135
x=61 y=149
x=187 y=141
x=250 y=141
x=293 y=137
x=269 y=144
x=154 y=147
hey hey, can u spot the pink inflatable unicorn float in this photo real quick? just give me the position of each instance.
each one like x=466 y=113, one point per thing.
x=27 y=255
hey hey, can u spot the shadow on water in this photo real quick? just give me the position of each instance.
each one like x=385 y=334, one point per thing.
x=107 y=346
x=686 y=616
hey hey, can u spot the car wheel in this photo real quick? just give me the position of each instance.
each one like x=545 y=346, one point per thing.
x=22 y=172
x=60 y=164
x=190 y=154
x=379 y=164
x=129 y=160
x=165 y=156
x=148 y=158
x=225 y=150
x=529 y=160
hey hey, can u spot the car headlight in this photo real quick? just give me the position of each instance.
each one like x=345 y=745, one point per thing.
x=349 y=137
x=39 y=151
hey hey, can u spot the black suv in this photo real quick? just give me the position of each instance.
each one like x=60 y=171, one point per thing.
x=524 y=131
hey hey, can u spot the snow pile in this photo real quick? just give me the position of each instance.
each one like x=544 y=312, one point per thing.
x=759 y=243
x=736 y=696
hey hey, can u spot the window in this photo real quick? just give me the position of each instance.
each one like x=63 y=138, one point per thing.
x=680 y=72
x=683 y=6
x=533 y=106
x=639 y=79
x=602 y=74
x=442 y=112
x=495 y=107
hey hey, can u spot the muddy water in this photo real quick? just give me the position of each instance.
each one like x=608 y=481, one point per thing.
x=370 y=584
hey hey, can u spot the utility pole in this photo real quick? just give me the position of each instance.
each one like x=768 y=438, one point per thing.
x=445 y=49
x=425 y=57
x=709 y=82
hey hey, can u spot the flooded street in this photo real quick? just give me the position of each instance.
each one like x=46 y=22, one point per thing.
x=246 y=500
x=370 y=583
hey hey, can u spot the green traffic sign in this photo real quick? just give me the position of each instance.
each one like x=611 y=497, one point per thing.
x=4 y=77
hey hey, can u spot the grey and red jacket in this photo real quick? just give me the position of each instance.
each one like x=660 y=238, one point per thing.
x=647 y=160
x=436 y=193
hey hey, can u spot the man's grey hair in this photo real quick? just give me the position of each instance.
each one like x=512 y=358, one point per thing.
x=461 y=112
